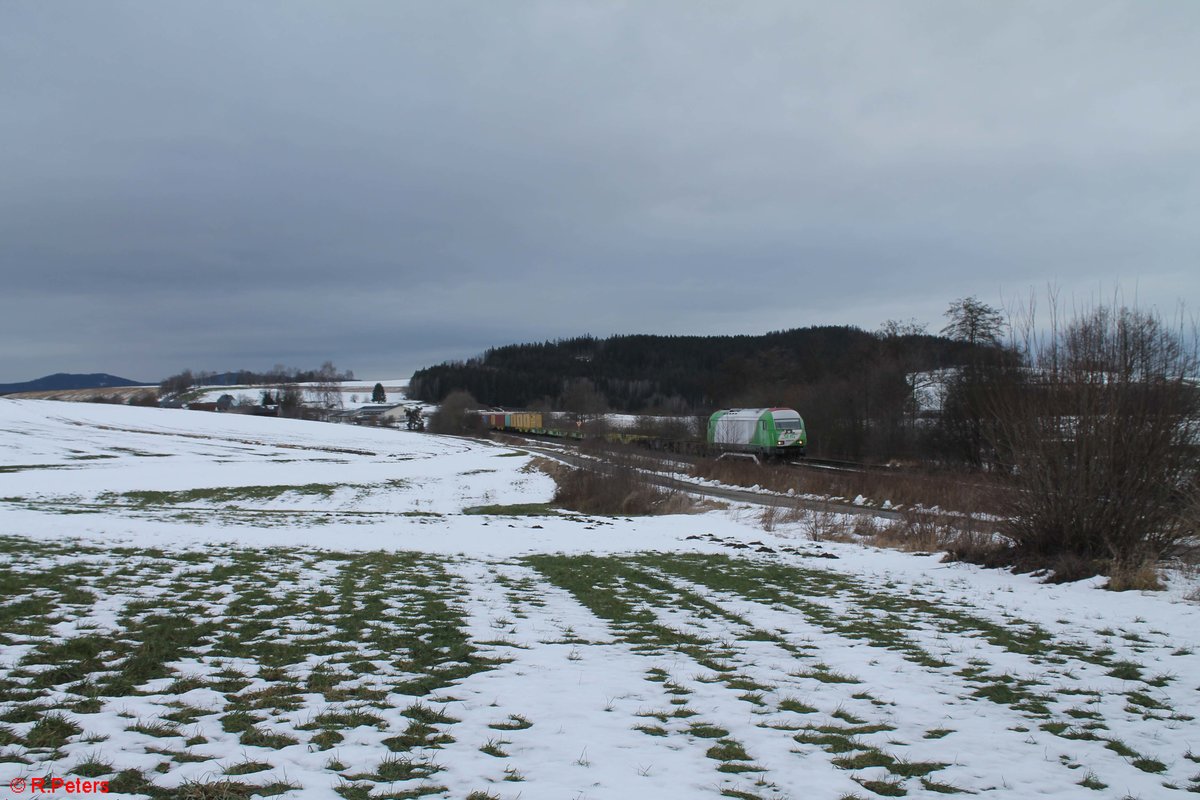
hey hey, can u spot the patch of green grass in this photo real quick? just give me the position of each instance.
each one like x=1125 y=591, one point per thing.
x=830 y=742
x=247 y=767
x=824 y=674
x=186 y=715
x=132 y=781
x=434 y=716
x=255 y=736
x=24 y=713
x=941 y=788
x=705 y=731
x=179 y=756
x=846 y=716
x=494 y=747
x=727 y=750
x=746 y=684
x=651 y=730
x=350 y=718
x=326 y=739
x=515 y=722
x=1126 y=671
x=400 y=768
x=229 y=790
x=92 y=767
x=418 y=734
x=797 y=706
x=51 y=731
x=514 y=510
x=891 y=787
x=22 y=467
x=738 y=767
x=1120 y=748
x=914 y=769
x=1008 y=691
x=158 y=729
x=218 y=494
x=863 y=760
x=239 y=721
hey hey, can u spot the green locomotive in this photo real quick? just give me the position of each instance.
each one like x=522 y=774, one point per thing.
x=764 y=431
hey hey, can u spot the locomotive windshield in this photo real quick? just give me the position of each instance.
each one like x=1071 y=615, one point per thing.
x=787 y=425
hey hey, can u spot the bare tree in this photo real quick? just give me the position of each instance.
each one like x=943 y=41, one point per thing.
x=177 y=384
x=1101 y=437
x=899 y=328
x=328 y=388
x=966 y=390
x=974 y=322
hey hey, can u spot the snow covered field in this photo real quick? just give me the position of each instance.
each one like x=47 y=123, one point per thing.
x=206 y=605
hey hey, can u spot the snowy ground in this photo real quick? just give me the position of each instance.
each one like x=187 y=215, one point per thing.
x=204 y=605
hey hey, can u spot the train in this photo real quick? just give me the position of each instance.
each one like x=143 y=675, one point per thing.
x=766 y=432
x=762 y=431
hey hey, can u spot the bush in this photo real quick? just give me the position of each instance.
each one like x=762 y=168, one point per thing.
x=1099 y=435
x=615 y=490
x=457 y=414
x=147 y=398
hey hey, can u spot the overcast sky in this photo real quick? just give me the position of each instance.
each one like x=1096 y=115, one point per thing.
x=391 y=184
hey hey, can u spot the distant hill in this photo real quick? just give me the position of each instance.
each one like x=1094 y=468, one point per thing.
x=62 y=381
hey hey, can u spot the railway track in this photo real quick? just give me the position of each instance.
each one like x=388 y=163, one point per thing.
x=729 y=493
x=691 y=455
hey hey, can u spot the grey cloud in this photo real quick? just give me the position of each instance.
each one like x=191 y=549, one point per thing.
x=234 y=184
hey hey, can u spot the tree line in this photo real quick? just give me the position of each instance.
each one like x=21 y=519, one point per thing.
x=278 y=375
x=855 y=388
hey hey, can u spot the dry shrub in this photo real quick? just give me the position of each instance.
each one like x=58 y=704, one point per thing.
x=541 y=464
x=928 y=488
x=978 y=548
x=770 y=517
x=615 y=490
x=959 y=536
x=826 y=526
x=1140 y=577
x=1059 y=568
x=866 y=526
x=915 y=532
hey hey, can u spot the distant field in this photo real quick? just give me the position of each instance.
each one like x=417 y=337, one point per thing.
x=121 y=394
x=212 y=606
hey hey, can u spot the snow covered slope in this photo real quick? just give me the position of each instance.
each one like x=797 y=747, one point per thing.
x=205 y=605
